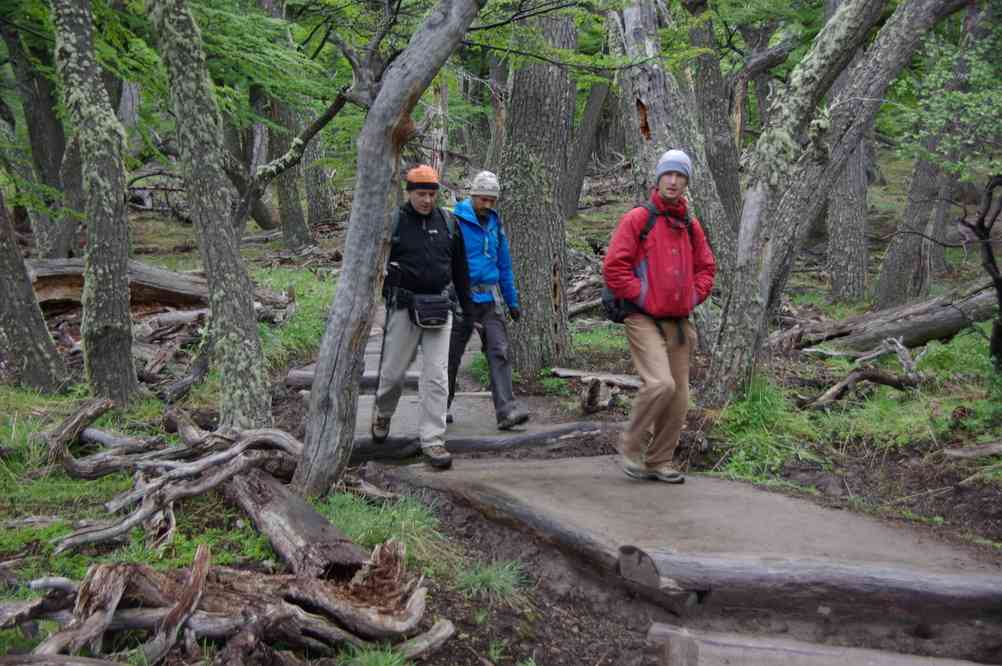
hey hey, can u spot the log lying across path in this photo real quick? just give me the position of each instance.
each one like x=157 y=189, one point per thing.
x=915 y=324
x=861 y=590
x=677 y=646
x=56 y=280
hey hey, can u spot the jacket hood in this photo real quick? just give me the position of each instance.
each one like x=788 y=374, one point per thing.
x=464 y=210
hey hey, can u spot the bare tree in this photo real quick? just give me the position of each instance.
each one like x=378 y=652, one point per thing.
x=245 y=401
x=788 y=183
x=107 y=322
x=388 y=125
x=27 y=342
x=582 y=147
x=540 y=114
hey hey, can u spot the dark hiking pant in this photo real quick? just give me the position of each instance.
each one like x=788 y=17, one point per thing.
x=494 y=338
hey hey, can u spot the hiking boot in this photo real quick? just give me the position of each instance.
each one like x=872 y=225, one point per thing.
x=380 y=428
x=666 y=473
x=437 y=456
x=516 y=416
x=634 y=469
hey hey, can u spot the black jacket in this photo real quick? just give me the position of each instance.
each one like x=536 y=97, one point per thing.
x=424 y=260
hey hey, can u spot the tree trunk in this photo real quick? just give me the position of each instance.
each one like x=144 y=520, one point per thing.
x=500 y=84
x=334 y=397
x=788 y=186
x=107 y=322
x=848 y=251
x=26 y=340
x=712 y=100
x=320 y=205
x=659 y=116
x=439 y=130
x=245 y=401
x=290 y=207
x=71 y=233
x=581 y=150
x=539 y=117
x=905 y=273
x=239 y=165
x=45 y=134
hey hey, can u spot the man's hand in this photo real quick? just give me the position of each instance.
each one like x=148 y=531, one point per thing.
x=515 y=314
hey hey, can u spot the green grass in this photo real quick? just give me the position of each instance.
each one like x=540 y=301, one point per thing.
x=494 y=581
x=407 y=520
x=371 y=656
x=555 y=386
x=832 y=310
x=297 y=338
x=887 y=419
x=762 y=432
x=603 y=339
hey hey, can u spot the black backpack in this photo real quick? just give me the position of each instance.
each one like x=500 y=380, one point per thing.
x=617 y=309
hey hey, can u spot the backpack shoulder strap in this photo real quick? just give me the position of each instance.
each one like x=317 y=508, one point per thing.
x=652 y=217
x=450 y=220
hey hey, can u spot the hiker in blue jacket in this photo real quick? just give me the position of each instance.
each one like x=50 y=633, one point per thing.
x=491 y=281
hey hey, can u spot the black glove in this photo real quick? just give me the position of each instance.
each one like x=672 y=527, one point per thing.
x=515 y=314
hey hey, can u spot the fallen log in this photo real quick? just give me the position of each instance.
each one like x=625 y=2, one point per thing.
x=98 y=598
x=678 y=646
x=398 y=448
x=916 y=324
x=972 y=452
x=858 y=590
x=54 y=660
x=426 y=644
x=304 y=539
x=622 y=381
x=303 y=378
x=61 y=280
x=580 y=308
x=839 y=390
x=167 y=633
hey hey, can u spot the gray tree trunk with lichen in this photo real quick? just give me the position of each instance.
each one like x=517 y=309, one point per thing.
x=245 y=401
x=531 y=163
x=107 y=322
x=26 y=340
x=788 y=184
x=330 y=430
x=46 y=138
x=320 y=204
x=290 y=206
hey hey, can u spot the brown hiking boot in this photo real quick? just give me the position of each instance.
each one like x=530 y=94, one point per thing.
x=666 y=473
x=634 y=469
x=437 y=456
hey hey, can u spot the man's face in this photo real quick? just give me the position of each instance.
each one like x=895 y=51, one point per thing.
x=423 y=200
x=672 y=185
x=482 y=204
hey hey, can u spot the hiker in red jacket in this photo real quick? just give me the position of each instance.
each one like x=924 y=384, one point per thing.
x=660 y=278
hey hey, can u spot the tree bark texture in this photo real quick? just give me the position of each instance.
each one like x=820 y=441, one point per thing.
x=106 y=327
x=659 y=115
x=26 y=340
x=334 y=396
x=712 y=97
x=45 y=135
x=290 y=207
x=245 y=401
x=848 y=251
x=320 y=204
x=239 y=164
x=539 y=123
x=789 y=185
x=500 y=86
x=581 y=149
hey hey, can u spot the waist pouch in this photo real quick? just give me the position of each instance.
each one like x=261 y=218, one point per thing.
x=430 y=310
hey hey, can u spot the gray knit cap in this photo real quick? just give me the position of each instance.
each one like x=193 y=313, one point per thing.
x=673 y=160
x=485 y=184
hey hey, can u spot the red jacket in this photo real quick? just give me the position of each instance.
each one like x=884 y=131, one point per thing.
x=667 y=277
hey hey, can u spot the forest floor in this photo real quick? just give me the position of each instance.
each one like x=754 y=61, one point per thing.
x=514 y=601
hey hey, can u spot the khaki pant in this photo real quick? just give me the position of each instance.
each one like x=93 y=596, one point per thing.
x=401 y=338
x=662 y=361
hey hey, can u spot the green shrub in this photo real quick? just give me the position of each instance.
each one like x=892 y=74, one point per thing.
x=497 y=581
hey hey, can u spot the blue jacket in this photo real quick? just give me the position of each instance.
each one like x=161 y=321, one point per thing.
x=487 y=254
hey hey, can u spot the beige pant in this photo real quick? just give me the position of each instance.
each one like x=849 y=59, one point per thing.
x=662 y=361
x=401 y=338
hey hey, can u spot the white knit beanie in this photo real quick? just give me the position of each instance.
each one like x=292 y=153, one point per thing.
x=485 y=184
x=673 y=160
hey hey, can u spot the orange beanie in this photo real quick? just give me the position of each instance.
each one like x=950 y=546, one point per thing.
x=422 y=177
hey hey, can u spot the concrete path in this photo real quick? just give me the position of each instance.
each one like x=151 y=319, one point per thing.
x=594 y=499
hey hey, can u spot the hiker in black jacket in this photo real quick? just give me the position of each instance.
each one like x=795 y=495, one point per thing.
x=426 y=256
